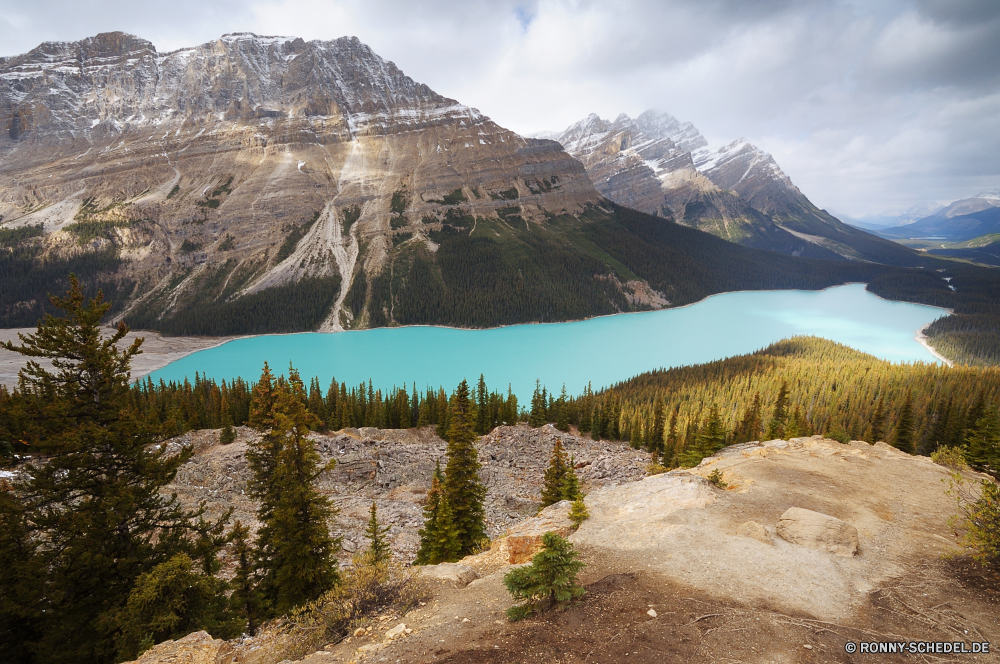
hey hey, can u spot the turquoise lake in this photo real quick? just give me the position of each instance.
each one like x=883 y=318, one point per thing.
x=600 y=350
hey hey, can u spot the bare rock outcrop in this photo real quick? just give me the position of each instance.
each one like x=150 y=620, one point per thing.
x=525 y=539
x=195 y=648
x=455 y=574
x=818 y=531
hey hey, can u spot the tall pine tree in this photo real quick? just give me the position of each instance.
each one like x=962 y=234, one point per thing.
x=295 y=555
x=464 y=490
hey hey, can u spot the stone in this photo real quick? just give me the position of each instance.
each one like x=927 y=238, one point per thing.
x=651 y=613
x=398 y=630
x=195 y=648
x=360 y=631
x=459 y=576
x=756 y=531
x=818 y=531
x=525 y=539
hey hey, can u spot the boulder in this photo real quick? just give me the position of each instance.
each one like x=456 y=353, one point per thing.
x=818 y=531
x=525 y=539
x=195 y=648
x=397 y=631
x=756 y=531
x=457 y=575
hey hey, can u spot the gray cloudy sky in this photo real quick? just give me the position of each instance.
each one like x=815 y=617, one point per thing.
x=870 y=106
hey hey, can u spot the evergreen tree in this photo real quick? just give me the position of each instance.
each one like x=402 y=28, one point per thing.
x=378 y=548
x=578 y=512
x=555 y=475
x=462 y=486
x=438 y=538
x=295 y=553
x=904 y=427
x=537 y=417
x=776 y=427
x=710 y=439
x=244 y=601
x=983 y=442
x=878 y=422
x=750 y=426
x=444 y=417
x=562 y=410
x=671 y=441
x=550 y=579
x=571 y=483
x=228 y=435
x=482 y=411
x=83 y=527
x=656 y=435
x=170 y=601
x=595 y=424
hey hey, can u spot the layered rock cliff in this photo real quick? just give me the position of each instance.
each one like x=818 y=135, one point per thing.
x=228 y=169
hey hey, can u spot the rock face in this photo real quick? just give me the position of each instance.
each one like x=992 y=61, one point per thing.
x=756 y=531
x=250 y=162
x=195 y=648
x=818 y=531
x=525 y=539
x=457 y=575
x=659 y=165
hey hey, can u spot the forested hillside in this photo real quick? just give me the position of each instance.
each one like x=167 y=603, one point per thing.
x=796 y=387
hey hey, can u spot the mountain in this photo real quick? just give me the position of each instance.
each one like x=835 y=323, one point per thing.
x=877 y=222
x=267 y=184
x=661 y=166
x=963 y=220
x=270 y=171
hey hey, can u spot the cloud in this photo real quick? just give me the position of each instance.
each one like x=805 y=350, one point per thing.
x=868 y=106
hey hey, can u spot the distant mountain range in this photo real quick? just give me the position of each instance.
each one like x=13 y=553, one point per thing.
x=658 y=165
x=963 y=220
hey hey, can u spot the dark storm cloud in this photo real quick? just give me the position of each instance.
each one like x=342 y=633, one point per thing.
x=867 y=104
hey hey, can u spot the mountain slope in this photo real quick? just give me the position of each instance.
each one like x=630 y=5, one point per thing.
x=660 y=166
x=215 y=173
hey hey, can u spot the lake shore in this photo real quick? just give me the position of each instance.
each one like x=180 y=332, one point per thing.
x=160 y=351
x=157 y=351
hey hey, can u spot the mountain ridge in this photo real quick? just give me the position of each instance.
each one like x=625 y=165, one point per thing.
x=661 y=166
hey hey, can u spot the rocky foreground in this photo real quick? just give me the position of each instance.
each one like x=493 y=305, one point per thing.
x=811 y=545
x=394 y=469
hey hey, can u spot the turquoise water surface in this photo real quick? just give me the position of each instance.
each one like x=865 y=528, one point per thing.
x=600 y=350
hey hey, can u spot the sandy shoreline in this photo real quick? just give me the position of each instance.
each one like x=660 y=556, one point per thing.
x=157 y=351
x=922 y=340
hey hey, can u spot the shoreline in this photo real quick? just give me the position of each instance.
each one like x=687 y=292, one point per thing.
x=922 y=340
x=160 y=351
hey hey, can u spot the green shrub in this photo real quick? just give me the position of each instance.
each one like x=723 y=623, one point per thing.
x=173 y=192
x=170 y=601
x=950 y=457
x=550 y=579
x=978 y=521
x=715 y=477
x=578 y=512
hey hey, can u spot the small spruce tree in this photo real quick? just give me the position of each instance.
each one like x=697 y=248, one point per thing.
x=550 y=579
x=378 y=548
x=555 y=476
x=578 y=512
x=244 y=601
x=438 y=537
